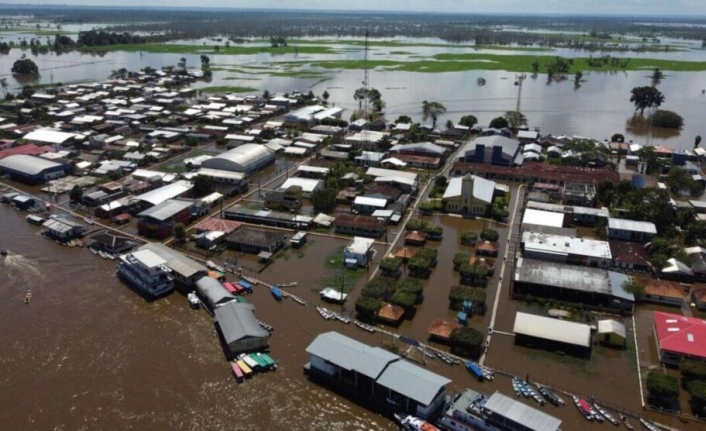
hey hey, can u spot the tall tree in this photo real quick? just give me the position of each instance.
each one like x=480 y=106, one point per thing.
x=646 y=97
x=360 y=95
x=515 y=119
x=325 y=96
x=432 y=110
x=468 y=121
x=697 y=140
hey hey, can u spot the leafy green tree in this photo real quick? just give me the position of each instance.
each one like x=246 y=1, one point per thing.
x=646 y=97
x=697 y=139
x=468 y=121
x=460 y=293
x=27 y=92
x=403 y=299
x=367 y=308
x=324 y=200
x=498 y=123
x=404 y=119
x=25 y=66
x=469 y=237
x=535 y=67
x=662 y=386
x=460 y=259
x=203 y=185
x=666 y=119
x=693 y=370
x=617 y=137
x=515 y=119
x=489 y=235
x=325 y=96
x=390 y=265
x=360 y=95
x=449 y=124
x=76 y=194
x=466 y=341
x=634 y=287
x=432 y=110
x=179 y=232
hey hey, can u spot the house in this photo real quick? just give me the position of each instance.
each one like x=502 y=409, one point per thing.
x=269 y=218
x=580 y=194
x=469 y=195
x=22 y=202
x=251 y=240
x=369 y=158
x=679 y=338
x=537 y=172
x=307 y=185
x=62 y=229
x=288 y=200
x=158 y=221
x=630 y=230
x=385 y=381
x=611 y=333
x=698 y=296
x=368 y=205
x=359 y=252
x=527 y=136
x=111 y=243
x=213 y=293
x=441 y=330
x=535 y=217
x=565 y=249
x=629 y=256
x=241 y=330
x=185 y=271
x=415 y=238
x=391 y=313
x=553 y=334
x=677 y=270
x=662 y=291
x=495 y=150
x=359 y=225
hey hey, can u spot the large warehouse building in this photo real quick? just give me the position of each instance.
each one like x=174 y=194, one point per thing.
x=33 y=169
x=246 y=158
x=552 y=334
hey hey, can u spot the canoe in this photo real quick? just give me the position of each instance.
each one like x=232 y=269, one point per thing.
x=244 y=367
x=649 y=425
x=605 y=414
x=28 y=297
x=260 y=362
x=269 y=360
x=516 y=388
x=237 y=372
x=292 y=284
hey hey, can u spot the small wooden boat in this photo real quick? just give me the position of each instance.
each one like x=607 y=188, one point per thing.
x=516 y=387
x=584 y=408
x=103 y=254
x=276 y=293
x=649 y=425
x=250 y=280
x=93 y=250
x=298 y=300
x=625 y=422
x=269 y=360
x=111 y=256
x=265 y=326
x=292 y=284
x=244 y=368
x=605 y=414
x=28 y=297
x=261 y=363
x=237 y=372
x=550 y=396
x=362 y=325
x=425 y=352
x=323 y=313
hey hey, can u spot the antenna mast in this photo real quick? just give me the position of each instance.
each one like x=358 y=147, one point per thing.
x=366 y=85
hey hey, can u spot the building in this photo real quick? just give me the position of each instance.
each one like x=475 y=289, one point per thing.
x=579 y=194
x=679 y=337
x=534 y=217
x=164 y=193
x=368 y=205
x=49 y=137
x=538 y=173
x=33 y=169
x=629 y=256
x=289 y=199
x=677 y=270
x=381 y=379
x=441 y=329
x=663 y=292
x=630 y=230
x=239 y=327
x=268 y=218
x=359 y=225
x=158 y=222
x=62 y=229
x=611 y=333
x=308 y=186
x=111 y=243
x=247 y=158
x=304 y=115
x=494 y=150
x=553 y=334
x=213 y=293
x=476 y=411
x=587 y=216
x=22 y=202
x=698 y=296
x=184 y=270
x=147 y=272
x=359 y=252
x=469 y=195
x=590 y=286
x=251 y=240
x=298 y=239
x=566 y=249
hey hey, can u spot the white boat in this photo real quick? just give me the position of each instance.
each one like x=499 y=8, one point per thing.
x=323 y=313
x=194 y=300
x=298 y=300
x=412 y=423
x=364 y=326
x=605 y=414
x=649 y=425
x=147 y=272
x=93 y=250
x=292 y=284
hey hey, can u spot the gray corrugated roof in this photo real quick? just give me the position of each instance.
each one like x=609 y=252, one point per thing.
x=632 y=225
x=337 y=349
x=482 y=189
x=61 y=225
x=170 y=191
x=562 y=275
x=617 y=280
x=29 y=165
x=412 y=381
x=166 y=209
x=214 y=292
x=176 y=261
x=237 y=321
x=531 y=418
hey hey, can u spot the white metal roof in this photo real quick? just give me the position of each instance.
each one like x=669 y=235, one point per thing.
x=313 y=169
x=379 y=172
x=166 y=209
x=543 y=218
x=530 y=418
x=632 y=225
x=220 y=174
x=610 y=326
x=542 y=242
x=359 y=245
x=552 y=329
x=48 y=136
x=148 y=258
x=169 y=191
x=482 y=189
x=30 y=165
x=308 y=185
x=368 y=201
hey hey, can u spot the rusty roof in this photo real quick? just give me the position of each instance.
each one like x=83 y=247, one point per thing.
x=666 y=288
x=390 y=312
x=216 y=224
x=442 y=329
x=363 y=222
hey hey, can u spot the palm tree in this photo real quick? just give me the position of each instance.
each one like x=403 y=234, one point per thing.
x=432 y=110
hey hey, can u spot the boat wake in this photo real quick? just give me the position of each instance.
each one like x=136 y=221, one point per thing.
x=23 y=265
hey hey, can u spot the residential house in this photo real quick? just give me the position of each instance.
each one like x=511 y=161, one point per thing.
x=251 y=240
x=368 y=205
x=698 y=296
x=663 y=292
x=579 y=194
x=679 y=338
x=62 y=229
x=631 y=230
x=359 y=252
x=359 y=225
x=241 y=330
x=629 y=256
x=288 y=200
x=159 y=221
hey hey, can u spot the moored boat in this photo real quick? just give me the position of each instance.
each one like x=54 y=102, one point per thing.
x=292 y=284
x=254 y=365
x=261 y=363
x=362 y=325
x=276 y=293
x=28 y=297
x=649 y=425
x=584 y=408
x=93 y=250
x=516 y=387
x=35 y=219
x=550 y=395
x=474 y=369
x=237 y=372
x=323 y=313
x=194 y=300
x=605 y=414
x=244 y=368
x=412 y=423
x=269 y=360
x=298 y=300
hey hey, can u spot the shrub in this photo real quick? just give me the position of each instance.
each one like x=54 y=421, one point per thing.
x=367 y=308
x=404 y=299
x=458 y=294
x=662 y=386
x=466 y=341
x=489 y=235
x=469 y=237
x=460 y=259
x=667 y=119
x=693 y=370
x=390 y=264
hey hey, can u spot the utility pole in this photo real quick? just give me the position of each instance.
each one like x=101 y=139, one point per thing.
x=519 y=79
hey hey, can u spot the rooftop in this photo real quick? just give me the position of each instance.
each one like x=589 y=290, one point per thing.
x=530 y=418
x=359 y=245
x=390 y=312
x=543 y=218
x=552 y=329
x=176 y=261
x=363 y=222
x=679 y=334
x=412 y=381
x=250 y=235
x=29 y=165
x=149 y=258
x=442 y=329
x=237 y=321
x=661 y=288
x=170 y=191
x=540 y=242
x=543 y=172
x=166 y=209
x=609 y=326
x=632 y=225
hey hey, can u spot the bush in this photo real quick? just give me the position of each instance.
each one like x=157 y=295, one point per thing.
x=693 y=370
x=367 y=308
x=469 y=237
x=390 y=264
x=618 y=137
x=473 y=272
x=667 y=119
x=489 y=235
x=460 y=259
x=466 y=341
x=697 y=390
x=410 y=285
x=404 y=299
x=458 y=294
x=662 y=386
x=498 y=123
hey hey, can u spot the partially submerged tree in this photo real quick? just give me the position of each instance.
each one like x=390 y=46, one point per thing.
x=432 y=110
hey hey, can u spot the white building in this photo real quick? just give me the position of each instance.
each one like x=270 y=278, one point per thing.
x=566 y=249
x=359 y=252
x=631 y=230
x=542 y=218
x=308 y=185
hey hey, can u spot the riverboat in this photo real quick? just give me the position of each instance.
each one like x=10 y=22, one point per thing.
x=276 y=293
x=28 y=297
x=584 y=408
x=35 y=219
x=474 y=369
x=194 y=300
x=237 y=372
x=254 y=365
x=146 y=271
x=244 y=367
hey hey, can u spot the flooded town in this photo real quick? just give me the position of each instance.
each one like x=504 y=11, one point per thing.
x=295 y=225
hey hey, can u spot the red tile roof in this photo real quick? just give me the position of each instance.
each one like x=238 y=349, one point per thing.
x=390 y=312
x=28 y=149
x=442 y=329
x=681 y=335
